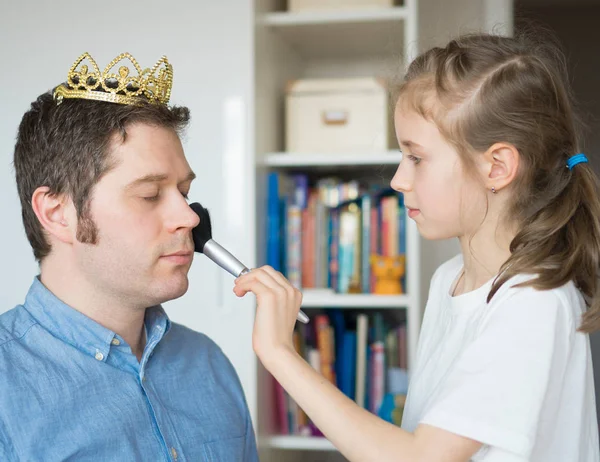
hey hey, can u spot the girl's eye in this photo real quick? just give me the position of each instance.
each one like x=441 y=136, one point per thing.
x=416 y=160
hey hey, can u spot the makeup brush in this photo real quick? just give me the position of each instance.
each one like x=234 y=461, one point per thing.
x=205 y=244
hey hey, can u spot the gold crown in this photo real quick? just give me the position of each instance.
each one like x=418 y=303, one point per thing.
x=149 y=85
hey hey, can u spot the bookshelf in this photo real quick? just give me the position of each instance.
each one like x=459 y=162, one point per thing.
x=374 y=42
x=289 y=46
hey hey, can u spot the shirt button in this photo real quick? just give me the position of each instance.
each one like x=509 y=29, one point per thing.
x=174 y=453
x=99 y=356
x=115 y=341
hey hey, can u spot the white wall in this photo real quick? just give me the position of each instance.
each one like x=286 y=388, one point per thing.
x=210 y=45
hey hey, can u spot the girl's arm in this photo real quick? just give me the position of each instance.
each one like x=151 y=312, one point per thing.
x=358 y=434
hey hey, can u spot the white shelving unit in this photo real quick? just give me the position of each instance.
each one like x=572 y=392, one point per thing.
x=356 y=43
x=370 y=42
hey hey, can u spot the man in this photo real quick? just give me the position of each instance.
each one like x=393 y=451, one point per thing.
x=91 y=367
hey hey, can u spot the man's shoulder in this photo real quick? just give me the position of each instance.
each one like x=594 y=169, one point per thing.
x=186 y=339
x=195 y=347
x=192 y=338
x=14 y=324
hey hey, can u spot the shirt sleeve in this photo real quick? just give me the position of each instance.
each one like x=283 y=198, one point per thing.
x=495 y=391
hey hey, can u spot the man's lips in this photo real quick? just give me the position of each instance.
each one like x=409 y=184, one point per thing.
x=181 y=257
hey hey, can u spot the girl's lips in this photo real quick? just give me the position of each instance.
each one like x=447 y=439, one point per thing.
x=413 y=212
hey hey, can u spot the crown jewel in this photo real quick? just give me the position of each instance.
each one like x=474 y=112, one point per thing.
x=84 y=81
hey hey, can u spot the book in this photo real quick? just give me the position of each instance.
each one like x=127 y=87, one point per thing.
x=322 y=236
x=362 y=325
x=294 y=245
x=358 y=352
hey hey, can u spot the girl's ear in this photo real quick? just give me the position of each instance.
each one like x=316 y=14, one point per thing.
x=500 y=166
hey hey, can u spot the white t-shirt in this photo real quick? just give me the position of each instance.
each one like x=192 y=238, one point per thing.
x=513 y=374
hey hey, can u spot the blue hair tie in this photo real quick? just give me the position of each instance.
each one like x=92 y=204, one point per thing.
x=576 y=159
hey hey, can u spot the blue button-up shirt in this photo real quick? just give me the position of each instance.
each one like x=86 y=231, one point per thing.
x=72 y=390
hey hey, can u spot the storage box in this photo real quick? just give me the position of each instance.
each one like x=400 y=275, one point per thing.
x=312 y=5
x=337 y=115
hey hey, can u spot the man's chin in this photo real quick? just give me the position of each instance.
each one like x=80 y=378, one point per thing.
x=170 y=290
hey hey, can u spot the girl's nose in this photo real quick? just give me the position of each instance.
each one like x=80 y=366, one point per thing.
x=402 y=180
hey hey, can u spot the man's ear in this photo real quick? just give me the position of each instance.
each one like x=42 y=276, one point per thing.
x=500 y=165
x=53 y=212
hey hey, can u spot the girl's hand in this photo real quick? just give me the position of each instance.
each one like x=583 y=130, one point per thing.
x=278 y=305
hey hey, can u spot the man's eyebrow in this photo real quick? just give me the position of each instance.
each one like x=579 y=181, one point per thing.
x=157 y=178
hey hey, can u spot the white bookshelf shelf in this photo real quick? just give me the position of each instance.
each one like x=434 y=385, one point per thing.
x=310 y=443
x=338 y=34
x=324 y=298
x=367 y=15
x=290 y=159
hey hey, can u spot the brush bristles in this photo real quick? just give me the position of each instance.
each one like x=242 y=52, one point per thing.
x=203 y=232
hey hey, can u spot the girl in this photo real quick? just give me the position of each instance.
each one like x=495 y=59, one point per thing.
x=503 y=369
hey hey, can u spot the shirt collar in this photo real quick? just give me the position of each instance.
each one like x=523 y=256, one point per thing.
x=79 y=331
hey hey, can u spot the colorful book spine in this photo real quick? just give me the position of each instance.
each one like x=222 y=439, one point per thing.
x=334 y=253
x=362 y=325
x=273 y=222
x=377 y=365
x=326 y=348
x=393 y=225
x=365 y=269
x=401 y=227
x=294 y=247
x=374 y=247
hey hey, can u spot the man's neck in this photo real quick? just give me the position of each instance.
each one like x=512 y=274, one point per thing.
x=73 y=289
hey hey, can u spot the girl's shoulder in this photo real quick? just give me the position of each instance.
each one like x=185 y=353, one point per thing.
x=553 y=310
x=519 y=291
x=522 y=287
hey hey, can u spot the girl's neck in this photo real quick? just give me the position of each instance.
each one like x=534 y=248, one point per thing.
x=484 y=253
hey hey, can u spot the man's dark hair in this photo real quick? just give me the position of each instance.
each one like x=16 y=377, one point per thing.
x=66 y=147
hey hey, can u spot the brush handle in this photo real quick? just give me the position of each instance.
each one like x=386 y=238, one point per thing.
x=222 y=257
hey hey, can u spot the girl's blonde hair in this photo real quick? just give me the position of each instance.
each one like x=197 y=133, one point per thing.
x=482 y=89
